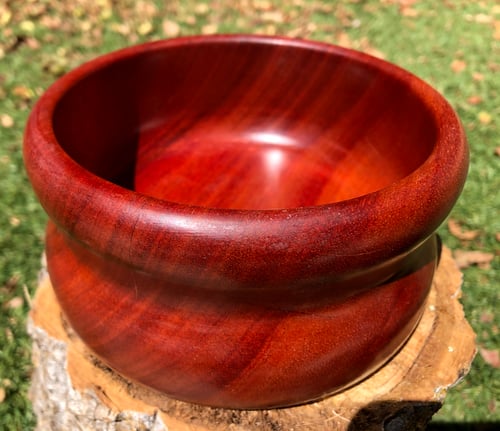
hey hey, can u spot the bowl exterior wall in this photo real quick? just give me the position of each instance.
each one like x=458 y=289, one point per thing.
x=232 y=350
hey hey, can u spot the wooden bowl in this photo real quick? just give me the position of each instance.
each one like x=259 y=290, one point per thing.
x=243 y=221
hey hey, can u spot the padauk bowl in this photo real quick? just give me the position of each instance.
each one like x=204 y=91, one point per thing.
x=243 y=221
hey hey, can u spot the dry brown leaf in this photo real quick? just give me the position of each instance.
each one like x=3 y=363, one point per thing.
x=6 y=121
x=50 y=22
x=458 y=232
x=466 y=258
x=201 y=9
x=144 y=28
x=15 y=302
x=145 y=9
x=496 y=32
x=5 y=15
x=209 y=29
x=32 y=43
x=273 y=16
x=477 y=76
x=27 y=26
x=491 y=357
x=482 y=18
x=486 y=317
x=492 y=406
x=262 y=4
x=497 y=151
x=484 y=117
x=270 y=30
x=171 y=28
x=474 y=100
x=409 y=12
x=458 y=65
x=344 y=40
x=121 y=28
x=375 y=52
x=23 y=92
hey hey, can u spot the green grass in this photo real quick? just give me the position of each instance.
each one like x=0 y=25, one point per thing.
x=449 y=44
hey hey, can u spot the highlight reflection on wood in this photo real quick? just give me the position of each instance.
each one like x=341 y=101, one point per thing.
x=243 y=221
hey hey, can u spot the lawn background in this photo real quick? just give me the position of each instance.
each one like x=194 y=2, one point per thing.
x=453 y=45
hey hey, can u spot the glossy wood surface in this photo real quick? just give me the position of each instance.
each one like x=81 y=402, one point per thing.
x=243 y=221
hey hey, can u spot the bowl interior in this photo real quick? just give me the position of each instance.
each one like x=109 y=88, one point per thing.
x=245 y=125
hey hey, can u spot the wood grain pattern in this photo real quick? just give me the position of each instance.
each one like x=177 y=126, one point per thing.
x=243 y=221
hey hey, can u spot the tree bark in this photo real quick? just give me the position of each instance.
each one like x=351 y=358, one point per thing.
x=73 y=390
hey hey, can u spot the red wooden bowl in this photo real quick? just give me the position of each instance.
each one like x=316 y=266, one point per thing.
x=243 y=221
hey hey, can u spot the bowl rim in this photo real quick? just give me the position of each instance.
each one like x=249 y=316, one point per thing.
x=421 y=199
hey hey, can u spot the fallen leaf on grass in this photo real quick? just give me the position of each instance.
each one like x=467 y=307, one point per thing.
x=458 y=66
x=484 y=117
x=144 y=28
x=23 y=92
x=477 y=76
x=14 y=303
x=14 y=221
x=120 y=28
x=201 y=9
x=6 y=121
x=209 y=29
x=27 y=26
x=492 y=406
x=482 y=18
x=171 y=28
x=50 y=22
x=32 y=43
x=465 y=258
x=5 y=15
x=262 y=4
x=486 y=317
x=496 y=33
x=474 y=100
x=343 y=40
x=273 y=16
x=409 y=12
x=491 y=357
x=458 y=232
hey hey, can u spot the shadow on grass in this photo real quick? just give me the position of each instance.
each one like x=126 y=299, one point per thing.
x=473 y=426
x=409 y=415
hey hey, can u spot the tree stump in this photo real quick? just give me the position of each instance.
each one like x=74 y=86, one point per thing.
x=73 y=390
